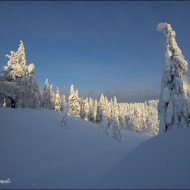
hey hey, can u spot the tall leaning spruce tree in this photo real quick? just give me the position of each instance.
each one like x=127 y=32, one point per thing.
x=173 y=107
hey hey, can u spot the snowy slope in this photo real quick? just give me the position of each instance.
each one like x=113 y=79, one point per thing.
x=161 y=162
x=37 y=153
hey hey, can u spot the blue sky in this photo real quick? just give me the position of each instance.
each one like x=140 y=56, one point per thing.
x=109 y=47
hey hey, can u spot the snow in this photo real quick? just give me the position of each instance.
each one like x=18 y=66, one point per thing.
x=64 y=116
x=31 y=68
x=36 y=152
x=161 y=162
x=166 y=94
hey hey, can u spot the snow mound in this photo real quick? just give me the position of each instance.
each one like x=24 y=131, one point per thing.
x=161 y=162
x=36 y=152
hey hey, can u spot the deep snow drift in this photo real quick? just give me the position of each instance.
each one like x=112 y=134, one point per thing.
x=37 y=153
x=161 y=162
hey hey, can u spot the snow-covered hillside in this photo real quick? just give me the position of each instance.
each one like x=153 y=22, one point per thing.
x=161 y=162
x=37 y=153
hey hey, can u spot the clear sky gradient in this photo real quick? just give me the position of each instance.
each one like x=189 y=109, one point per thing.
x=109 y=47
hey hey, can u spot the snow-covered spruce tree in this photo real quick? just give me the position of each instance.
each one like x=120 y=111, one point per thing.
x=8 y=88
x=52 y=97
x=22 y=76
x=95 y=110
x=21 y=55
x=115 y=127
x=135 y=119
x=115 y=109
x=57 y=105
x=16 y=66
x=110 y=110
x=106 y=117
x=13 y=70
x=77 y=105
x=174 y=97
x=100 y=108
x=74 y=106
x=72 y=100
x=84 y=108
x=29 y=92
x=46 y=95
x=91 y=110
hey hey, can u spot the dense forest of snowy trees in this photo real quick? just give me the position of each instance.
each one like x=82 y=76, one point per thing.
x=140 y=116
x=19 y=89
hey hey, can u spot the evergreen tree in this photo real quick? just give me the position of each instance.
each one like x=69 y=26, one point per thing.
x=52 y=97
x=95 y=110
x=72 y=100
x=22 y=76
x=46 y=95
x=82 y=108
x=57 y=105
x=115 y=109
x=91 y=110
x=101 y=106
x=74 y=106
x=77 y=104
x=174 y=97
x=86 y=109
x=106 y=117
x=115 y=127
